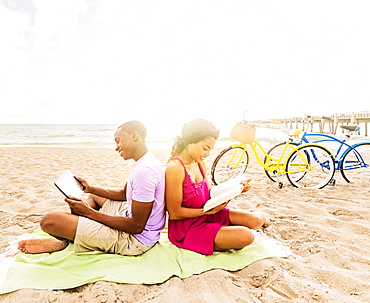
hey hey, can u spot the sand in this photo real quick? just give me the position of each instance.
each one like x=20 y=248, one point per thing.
x=327 y=230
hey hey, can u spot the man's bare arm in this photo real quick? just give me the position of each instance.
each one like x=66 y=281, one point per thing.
x=134 y=225
x=111 y=194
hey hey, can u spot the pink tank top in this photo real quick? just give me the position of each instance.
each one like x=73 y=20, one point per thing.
x=196 y=234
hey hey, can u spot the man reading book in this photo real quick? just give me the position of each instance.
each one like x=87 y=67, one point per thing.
x=125 y=221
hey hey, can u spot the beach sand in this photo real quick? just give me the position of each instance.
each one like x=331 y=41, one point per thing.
x=327 y=230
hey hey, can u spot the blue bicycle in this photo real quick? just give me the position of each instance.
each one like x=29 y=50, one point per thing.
x=352 y=160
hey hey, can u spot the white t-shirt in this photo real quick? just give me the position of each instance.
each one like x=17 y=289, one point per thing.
x=146 y=184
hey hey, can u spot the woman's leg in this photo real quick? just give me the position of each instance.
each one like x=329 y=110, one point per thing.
x=252 y=220
x=233 y=237
x=239 y=235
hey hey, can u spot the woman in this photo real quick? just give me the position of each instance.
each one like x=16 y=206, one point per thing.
x=187 y=190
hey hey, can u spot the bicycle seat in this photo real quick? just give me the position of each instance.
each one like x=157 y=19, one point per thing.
x=292 y=132
x=350 y=128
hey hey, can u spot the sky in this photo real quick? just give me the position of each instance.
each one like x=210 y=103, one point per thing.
x=95 y=61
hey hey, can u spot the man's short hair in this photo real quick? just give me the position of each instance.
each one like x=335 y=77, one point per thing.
x=132 y=126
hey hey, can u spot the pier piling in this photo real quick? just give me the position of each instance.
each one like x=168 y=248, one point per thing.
x=330 y=123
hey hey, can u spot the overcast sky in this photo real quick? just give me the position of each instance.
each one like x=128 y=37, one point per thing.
x=95 y=61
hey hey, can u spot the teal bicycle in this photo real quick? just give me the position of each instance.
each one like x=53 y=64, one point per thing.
x=352 y=160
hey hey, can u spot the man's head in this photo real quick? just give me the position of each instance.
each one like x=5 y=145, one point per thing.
x=130 y=140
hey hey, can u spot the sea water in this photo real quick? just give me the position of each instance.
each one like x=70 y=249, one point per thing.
x=160 y=137
x=72 y=135
x=64 y=135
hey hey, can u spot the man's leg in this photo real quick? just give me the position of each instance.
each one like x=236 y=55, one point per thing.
x=95 y=202
x=60 y=225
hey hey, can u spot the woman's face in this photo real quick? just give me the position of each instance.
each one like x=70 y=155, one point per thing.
x=200 y=150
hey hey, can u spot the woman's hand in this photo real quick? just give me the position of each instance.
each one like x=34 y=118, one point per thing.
x=246 y=185
x=216 y=209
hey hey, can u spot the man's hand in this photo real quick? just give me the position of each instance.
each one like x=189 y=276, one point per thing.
x=84 y=184
x=79 y=207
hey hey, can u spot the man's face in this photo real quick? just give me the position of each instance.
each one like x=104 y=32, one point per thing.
x=124 y=144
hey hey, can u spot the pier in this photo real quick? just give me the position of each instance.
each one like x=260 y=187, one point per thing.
x=327 y=124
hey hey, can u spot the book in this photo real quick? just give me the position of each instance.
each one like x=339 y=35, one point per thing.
x=69 y=186
x=225 y=191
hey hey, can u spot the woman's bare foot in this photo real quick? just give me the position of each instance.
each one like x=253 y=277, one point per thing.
x=266 y=221
x=41 y=245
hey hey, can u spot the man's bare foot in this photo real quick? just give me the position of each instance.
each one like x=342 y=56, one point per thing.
x=41 y=245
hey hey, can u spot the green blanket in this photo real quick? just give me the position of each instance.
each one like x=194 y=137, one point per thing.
x=64 y=269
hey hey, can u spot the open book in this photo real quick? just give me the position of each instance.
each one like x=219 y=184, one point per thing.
x=69 y=186
x=224 y=192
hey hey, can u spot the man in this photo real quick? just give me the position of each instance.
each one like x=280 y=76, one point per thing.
x=103 y=221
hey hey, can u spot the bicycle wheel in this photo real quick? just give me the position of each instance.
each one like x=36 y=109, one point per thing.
x=355 y=164
x=310 y=166
x=231 y=162
x=275 y=154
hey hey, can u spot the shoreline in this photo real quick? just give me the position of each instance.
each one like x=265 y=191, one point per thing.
x=327 y=231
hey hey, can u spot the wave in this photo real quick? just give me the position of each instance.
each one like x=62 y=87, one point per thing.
x=97 y=135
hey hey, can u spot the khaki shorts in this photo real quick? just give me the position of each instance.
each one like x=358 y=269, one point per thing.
x=92 y=235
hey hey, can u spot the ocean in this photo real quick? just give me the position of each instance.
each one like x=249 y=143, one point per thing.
x=160 y=137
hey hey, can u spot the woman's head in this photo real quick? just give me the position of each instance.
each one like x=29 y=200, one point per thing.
x=198 y=131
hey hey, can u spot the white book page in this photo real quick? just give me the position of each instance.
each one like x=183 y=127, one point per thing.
x=68 y=185
x=222 y=187
x=224 y=192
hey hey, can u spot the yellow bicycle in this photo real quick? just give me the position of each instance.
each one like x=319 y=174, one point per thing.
x=308 y=165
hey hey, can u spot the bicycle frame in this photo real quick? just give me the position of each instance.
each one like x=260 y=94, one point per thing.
x=297 y=162
x=344 y=147
x=280 y=165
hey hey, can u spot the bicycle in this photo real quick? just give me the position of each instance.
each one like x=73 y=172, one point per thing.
x=308 y=165
x=352 y=160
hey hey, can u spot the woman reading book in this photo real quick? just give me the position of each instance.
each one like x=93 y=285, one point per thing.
x=187 y=191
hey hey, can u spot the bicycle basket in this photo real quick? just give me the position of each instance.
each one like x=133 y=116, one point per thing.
x=243 y=133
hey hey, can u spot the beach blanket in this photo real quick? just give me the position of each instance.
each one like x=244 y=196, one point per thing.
x=64 y=269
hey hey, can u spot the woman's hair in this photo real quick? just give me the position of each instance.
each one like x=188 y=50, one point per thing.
x=193 y=132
